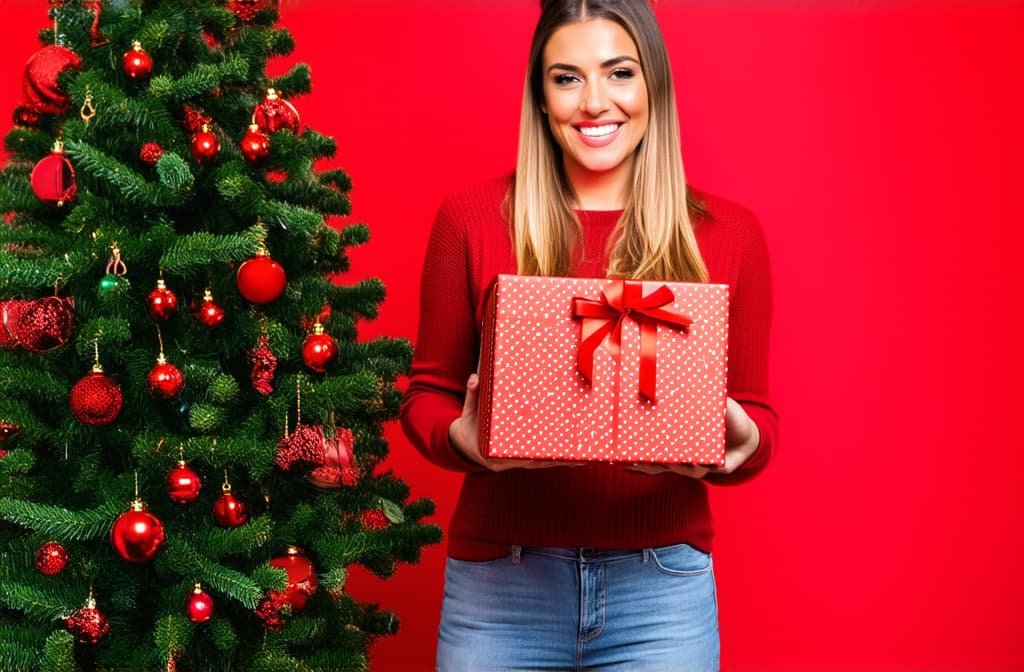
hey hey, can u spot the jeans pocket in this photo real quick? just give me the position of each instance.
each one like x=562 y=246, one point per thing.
x=681 y=560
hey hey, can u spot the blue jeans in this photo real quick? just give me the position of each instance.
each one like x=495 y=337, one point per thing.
x=581 y=609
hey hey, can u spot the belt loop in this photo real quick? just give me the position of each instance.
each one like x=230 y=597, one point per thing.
x=647 y=556
x=517 y=554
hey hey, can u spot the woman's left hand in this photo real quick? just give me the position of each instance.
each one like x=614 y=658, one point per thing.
x=741 y=440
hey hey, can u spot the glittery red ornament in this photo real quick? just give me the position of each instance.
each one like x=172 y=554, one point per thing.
x=195 y=120
x=161 y=302
x=205 y=146
x=275 y=113
x=138 y=65
x=51 y=558
x=88 y=624
x=301 y=577
x=246 y=10
x=137 y=535
x=228 y=510
x=39 y=84
x=183 y=484
x=96 y=399
x=303 y=448
x=209 y=313
x=255 y=145
x=198 y=605
x=268 y=610
x=264 y=364
x=53 y=178
x=320 y=350
x=374 y=519
x=151 y=153
x=261 y=279
x=44 y=324
x=339 y=462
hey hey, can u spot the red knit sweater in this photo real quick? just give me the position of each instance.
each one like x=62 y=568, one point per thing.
x=597 y=505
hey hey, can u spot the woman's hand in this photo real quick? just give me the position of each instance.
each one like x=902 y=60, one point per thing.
x=464 y=430
x=741 y=440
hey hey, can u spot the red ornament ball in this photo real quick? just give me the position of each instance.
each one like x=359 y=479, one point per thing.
x=261 y=279
x=339 y=462
x=198 y=605
x=51 y=558
x=303 y=447
x=39 y=84
x=7 y=430
x=151 y=153
x=183 y=484
x=205 y=146
x=96 y=400
x=374 y=519
x=229 y=511
x=138 y=65
x=276 y=113
x=320 y=350
x=255 y=145
x=161 y=302
x=45 y=324
x=88 y=624
x=301 y=577
x=165 y=380
x=209 y=313
x=53 y=179
x=137 y=535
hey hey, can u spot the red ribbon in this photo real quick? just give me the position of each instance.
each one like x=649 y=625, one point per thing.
x=603 y=317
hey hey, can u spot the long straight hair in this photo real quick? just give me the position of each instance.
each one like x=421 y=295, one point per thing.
x=654 y=238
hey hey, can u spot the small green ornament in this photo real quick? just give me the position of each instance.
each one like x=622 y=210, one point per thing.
x=108 y=283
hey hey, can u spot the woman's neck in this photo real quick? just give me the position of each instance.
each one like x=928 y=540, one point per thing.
x=607 y=190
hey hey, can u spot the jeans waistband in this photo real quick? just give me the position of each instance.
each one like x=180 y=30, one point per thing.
x=581 y=553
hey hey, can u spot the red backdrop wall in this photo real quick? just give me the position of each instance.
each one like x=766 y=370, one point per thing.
x=880 y=143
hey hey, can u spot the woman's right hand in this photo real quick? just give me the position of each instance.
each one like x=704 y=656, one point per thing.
x=465 y=429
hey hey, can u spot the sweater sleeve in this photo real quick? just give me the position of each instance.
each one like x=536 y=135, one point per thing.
x=750 y=314
x=447 y=343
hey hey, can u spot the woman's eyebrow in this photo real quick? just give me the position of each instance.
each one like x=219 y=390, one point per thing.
x=606 y=64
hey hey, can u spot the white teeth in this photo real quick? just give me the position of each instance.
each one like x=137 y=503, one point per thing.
x=598 y=131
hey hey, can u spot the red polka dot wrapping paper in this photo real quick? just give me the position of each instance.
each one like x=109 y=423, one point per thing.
x=535 y=404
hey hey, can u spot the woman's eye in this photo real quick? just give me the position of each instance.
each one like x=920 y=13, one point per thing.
x=622 y=73
x=565 y=78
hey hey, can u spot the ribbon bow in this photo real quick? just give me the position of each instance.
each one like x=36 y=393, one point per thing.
x=603 y=317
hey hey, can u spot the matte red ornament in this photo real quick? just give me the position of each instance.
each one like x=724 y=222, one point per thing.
x=151 y=153
x=183 y=484
x=138 y=65
x=255 y=145
x=39 y=83
x=198 y=605
x=51 y=558
x=161 y=302
x=165 y=381
x=304 y=447
x=88 y=624
x=96 y=399
x=53 y=178
x=228 y=510
x=275 y=113
x=209 y=313
x=261 y=279
x=339 y=462
x=301 y=577
x=320 y=350
x=205 y=146
x=137 y=535
x=43 y=324
x=374 y=519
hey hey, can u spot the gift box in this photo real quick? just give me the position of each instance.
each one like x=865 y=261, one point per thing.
x=613 y=370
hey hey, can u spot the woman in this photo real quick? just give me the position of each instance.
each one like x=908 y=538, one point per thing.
x=555 y=566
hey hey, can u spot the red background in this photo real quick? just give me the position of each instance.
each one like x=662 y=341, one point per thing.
x=880 y=144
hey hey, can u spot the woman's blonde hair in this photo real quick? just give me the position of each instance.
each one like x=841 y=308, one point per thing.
x=654 y=238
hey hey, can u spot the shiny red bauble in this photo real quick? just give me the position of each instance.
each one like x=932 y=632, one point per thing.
x=51 y=558
x=161 y=302
x=138 y=65
x=228 y=510
x=320 y=350
x=255 y=145
x=275 y=113
x=137 y=535
x=7 y=430
x=183 y=484
x=301 y=577
x=261 y=279
x=165 y=381
x=198 y=605
x=53 y=178
x=88 y=624
x=205 y=146
x=209 y=313
x=96 y=399
x=39 y=84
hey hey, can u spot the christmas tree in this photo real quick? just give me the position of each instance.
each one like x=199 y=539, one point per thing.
x=190 y=428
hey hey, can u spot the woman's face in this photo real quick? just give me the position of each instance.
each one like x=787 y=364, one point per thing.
x=595 y=97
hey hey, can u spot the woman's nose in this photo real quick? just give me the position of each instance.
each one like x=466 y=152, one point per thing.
x=594 y=98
